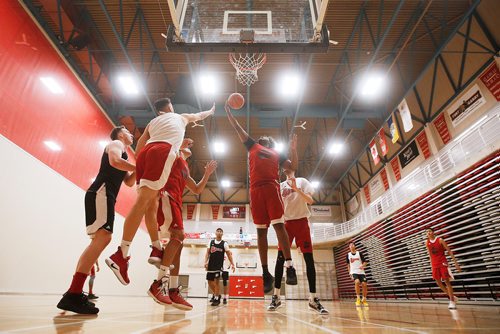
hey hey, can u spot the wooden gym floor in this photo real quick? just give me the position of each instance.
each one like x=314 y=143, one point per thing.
x=38 y=314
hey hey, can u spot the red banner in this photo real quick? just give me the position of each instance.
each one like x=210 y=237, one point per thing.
x=382 y=142
x=491 y=79
x=190 y=211
x=367 y=193
x=442 y=128
x=395 y=168
x=215 y=212
x=424 y=144
x=385 y=181
x=374 y=152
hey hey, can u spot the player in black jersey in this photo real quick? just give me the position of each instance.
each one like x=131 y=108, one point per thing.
x=214 y=263
x=100 y=202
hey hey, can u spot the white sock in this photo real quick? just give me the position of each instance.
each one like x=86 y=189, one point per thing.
x=357 y=296
x=277 y=292
x=164 y=271
x=288 y=263
x=226 y=296
x=157 y=244
x=125 y=245
x=174 y=281
x=312 y=296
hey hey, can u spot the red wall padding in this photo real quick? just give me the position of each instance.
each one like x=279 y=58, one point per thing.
x=31 y=114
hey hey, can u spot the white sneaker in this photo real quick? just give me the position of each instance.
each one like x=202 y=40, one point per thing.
x=452 y=305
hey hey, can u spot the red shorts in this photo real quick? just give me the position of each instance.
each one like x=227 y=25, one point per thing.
x=266 y=205
x=441 y=273
x=154 y=164
x=298 y=229
x=169 y=216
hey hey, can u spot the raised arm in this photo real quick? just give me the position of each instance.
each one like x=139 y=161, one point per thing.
x=115 y=150
x=450 y=252
x=305 y=195
x=242 y=134
x=197 y=188
x=199 y=116
x=293 y=161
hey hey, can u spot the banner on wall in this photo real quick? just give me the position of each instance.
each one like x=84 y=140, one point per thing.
x=321 y=211
x=393 y=129
x=215 y=212
x=190 y=211
x=367 y=193
x=408 y=154
x=405 y=113
x=491 y=79
x=234 y=212
x=382 y=142
x=385 y=180
x=424 y=144
x=442 y=128
x=471 y=101
x=374 y=152
x=395 y=169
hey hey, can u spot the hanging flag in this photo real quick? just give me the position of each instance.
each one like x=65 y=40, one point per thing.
x=405 y=113
x=424 y=144
x=393 y=129
x=385 y=180
x=374 y=152
x=367 y=193
x=215 y=212
x=383 y=144
x=442 y=128
x=190 y=211
x=395 y=169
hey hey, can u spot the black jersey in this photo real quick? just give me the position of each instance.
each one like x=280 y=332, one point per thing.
x=109 y=176
x=216 y=259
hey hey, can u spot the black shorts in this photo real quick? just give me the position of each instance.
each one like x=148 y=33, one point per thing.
x=361 y=277
x=225 y=275
x=99 y=211
x=213 y=275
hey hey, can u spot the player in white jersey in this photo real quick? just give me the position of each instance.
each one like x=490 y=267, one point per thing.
x=356 y=264
x=297 y=196
x=156 y=152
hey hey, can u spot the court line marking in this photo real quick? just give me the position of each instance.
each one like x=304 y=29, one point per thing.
x=324 y=329
x=174 y=322
x=386 y=326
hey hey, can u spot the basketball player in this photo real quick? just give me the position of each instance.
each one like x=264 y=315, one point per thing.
x=165 y=289
x=297 y=195
x=356 y=265
x=156 y=152
x=100 y=215
x=95 y=268
x=440 y=269
x=214 y=263
x=265 y=199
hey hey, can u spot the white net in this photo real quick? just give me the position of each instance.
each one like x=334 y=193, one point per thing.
x=246 y=65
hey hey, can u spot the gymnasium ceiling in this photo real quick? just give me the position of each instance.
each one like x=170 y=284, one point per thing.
x=399 y=38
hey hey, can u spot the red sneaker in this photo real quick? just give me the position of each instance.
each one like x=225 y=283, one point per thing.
x=155 y=257
x=119 y=265
x=159 y=291
x=178 y=301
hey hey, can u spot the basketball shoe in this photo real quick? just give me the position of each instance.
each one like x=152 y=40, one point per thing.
x=268 y=281
x=177 y=300
x=159 y=291
x=155 y=257
x=119 y=265
x=78 y=303
x=291 y=276
x=316 y=306
x=275 y=303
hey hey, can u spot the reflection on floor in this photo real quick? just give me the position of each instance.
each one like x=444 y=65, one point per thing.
x=38 y=314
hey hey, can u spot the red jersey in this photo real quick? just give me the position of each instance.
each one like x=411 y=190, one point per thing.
x=438 y=259
x=177 y=180
x=264 y=164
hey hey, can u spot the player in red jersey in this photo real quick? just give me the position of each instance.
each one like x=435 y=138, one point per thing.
x=165 y=289
x=440 y=269
x=266 y=203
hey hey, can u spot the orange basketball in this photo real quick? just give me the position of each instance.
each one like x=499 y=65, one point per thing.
x=236 y=101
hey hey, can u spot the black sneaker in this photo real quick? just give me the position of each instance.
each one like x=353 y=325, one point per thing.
x=216 y=301
x=212 y=299
x=268 y=282
x=275 y=303
x=316 y=306
x=224 y=301
x=92 y=296
x=291 y=276
x=78 y=303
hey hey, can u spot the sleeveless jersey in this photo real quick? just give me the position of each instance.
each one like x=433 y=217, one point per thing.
x=264 y=164
x=438 y=258
x=216 y=259
x=109 y=176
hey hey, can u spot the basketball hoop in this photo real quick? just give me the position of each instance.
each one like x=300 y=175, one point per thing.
x=247 y=65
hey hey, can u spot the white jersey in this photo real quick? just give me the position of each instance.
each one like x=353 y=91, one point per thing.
x=295 y=205
x=169 y=127
x=355 y=261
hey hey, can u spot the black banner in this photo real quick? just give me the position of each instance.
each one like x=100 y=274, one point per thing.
x=408 y=154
